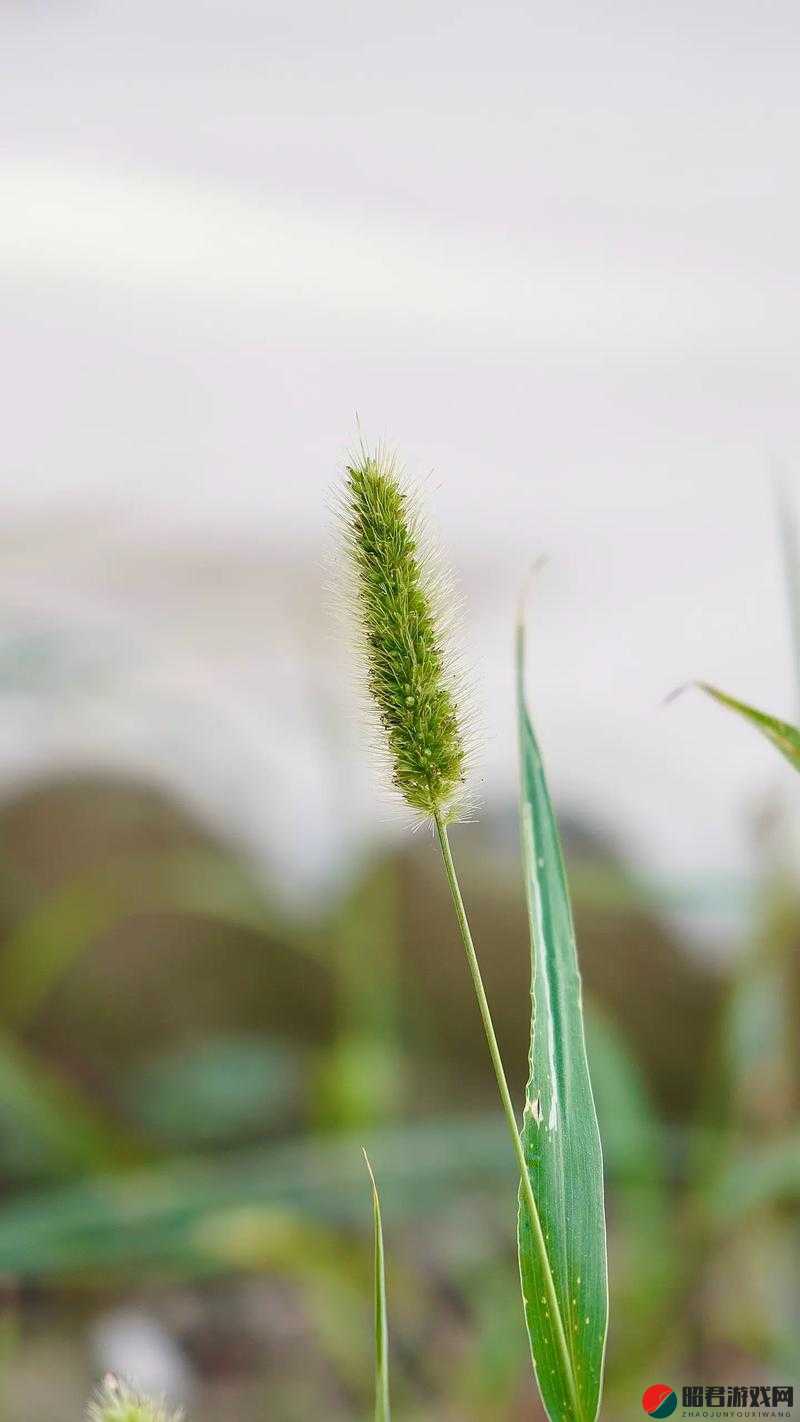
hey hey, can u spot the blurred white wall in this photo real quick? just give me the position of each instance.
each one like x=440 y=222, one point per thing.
x=551 y=252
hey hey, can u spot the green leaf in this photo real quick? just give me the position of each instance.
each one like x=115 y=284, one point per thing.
x=784 y=736
x=158 y=1218
x=768 y=1176
x=560 y=1134
x=382 y=1408
x=216 y=1091
x=47 y=1127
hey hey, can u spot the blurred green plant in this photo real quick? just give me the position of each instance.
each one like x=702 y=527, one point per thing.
x=745 y=1158
x=217 y=1091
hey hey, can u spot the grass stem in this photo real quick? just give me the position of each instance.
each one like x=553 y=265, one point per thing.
x=508 y=1108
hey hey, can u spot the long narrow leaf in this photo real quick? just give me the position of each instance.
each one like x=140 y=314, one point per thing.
x=784 y=736
x=560 y=1133
x=382 y=1408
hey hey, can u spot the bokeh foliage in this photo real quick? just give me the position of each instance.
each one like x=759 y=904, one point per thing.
x=221 y=1143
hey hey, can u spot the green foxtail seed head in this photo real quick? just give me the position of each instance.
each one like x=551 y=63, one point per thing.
x=403 y=636
x=116 y=1403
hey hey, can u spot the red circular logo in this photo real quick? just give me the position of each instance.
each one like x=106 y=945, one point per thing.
x=659 y=1400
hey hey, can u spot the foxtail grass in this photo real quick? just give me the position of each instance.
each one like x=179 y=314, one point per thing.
x=400 y=599
x=403 y=619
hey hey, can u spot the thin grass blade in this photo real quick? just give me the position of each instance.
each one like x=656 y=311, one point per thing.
x=560 y=1133
x=784 y=736
x=382 y=1408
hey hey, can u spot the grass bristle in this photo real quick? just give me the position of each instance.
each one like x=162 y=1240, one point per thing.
x=403 y=633
x=116 y=1403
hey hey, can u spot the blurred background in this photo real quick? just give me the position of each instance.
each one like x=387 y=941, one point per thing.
x=551 y=254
